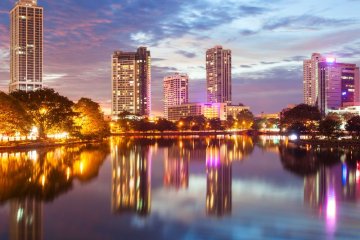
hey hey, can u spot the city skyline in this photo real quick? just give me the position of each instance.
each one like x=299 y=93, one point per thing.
x=267 y=56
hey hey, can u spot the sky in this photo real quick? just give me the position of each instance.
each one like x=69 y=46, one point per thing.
x=268 y=38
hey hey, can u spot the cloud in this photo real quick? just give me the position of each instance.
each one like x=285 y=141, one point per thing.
x=186 y=53
x=306 y=22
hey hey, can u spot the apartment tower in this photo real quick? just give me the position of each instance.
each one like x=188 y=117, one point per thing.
x=218 y=75
x=26 y=46
x=131 y=82
x=175 y=91
x=311 y=79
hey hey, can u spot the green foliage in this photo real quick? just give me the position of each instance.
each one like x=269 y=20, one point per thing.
x=215 y=124
x=50 y=111
x=13 y=117
x=89 y=120
x=353 y=126
x=165 y=125
x=245 y=119
x=307 y=115
x=329 y=126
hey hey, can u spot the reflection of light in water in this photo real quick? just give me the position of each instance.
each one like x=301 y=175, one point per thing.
x=358 y=172
x=81 y=167
x=43 y=180
x=344 y=174
x=33 y=155
x=331 y=211
x=68 y=173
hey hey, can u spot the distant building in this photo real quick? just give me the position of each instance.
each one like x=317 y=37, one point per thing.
x=338 y=85
x=218 y=75
x=175 y=91
x=352 y=110
x=311 y=80
x=26 y=46
x=233 y=110
x=208 y=110
x=131 y=82
x=175 y=113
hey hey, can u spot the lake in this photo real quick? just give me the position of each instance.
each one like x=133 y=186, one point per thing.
x=233 y=187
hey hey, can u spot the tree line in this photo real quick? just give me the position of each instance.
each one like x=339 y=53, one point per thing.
x=127 y=122
x=50 y=113
x=305 y=119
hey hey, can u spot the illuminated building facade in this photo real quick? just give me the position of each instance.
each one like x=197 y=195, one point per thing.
x=208 y=110
x=26 y=46
x=176 y=164
x=175 y=91
x=310 y=82
x=233 y=110
x=218 y=75
x=131 y=180
x=175 y=113
x=131 y=82
x=26 y=220
x=218 y=182
x=338 y=85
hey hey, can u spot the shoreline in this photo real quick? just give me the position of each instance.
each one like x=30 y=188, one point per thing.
x=42 y=145
x=328 y=143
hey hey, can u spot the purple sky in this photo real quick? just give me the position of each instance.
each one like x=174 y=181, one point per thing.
x=268 y=39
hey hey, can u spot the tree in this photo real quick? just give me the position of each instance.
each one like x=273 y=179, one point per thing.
x=89 y=119
x=353 y=126
x=230 y=122
x=305 y=114
x=51 y=112
x=165 y=125
x=215 y=124
x=329 y=126
x=245 y=119
x=13 y=117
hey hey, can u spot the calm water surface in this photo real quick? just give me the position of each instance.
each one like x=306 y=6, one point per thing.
x=189 y=188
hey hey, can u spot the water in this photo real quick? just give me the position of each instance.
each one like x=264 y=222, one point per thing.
x=190 y=188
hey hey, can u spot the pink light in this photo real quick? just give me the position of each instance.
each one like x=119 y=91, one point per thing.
x=330 y=59
x=331 y=212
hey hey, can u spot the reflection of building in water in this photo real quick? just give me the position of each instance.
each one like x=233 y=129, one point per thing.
x=131 y=179
x=339 y=181
x=26 y=219
x=176 y=165
x=328 y=188
x=219 y=178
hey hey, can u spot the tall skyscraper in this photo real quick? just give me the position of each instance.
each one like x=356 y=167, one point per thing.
x=175 y=91
x=311 y=81
x=338 y=85
x=218 y=75
x=131 y=82
x=26 y=46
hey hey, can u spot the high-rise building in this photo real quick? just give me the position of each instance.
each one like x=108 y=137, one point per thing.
x=311 y=81
x=175 y=91
x=338 y=85
x=26 y=46
x=218 y=75
x=131 y=82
